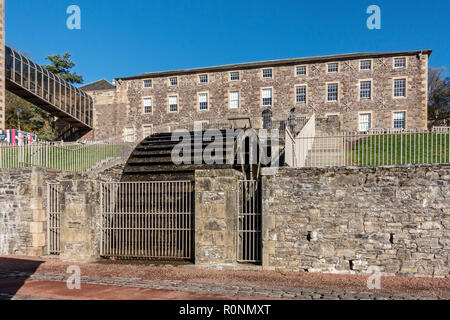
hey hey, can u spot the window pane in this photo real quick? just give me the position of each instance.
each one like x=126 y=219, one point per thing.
x=366 y=65
x=234 y=100
x=301 y=70
x=400 y=62
x=365 y=121
x=399 y=120
x=365 y=90
x=333 y=92
x=173 y=103
x=400 y=88
x=300 y=94
x=203 y=101
x=234 y=76
x=148 y=83
x=267 y=73
x=173 y=81
x=333 y=67
x=147 y=105
x=266 y=97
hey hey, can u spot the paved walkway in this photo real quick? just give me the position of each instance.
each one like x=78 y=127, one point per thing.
x=53 y=286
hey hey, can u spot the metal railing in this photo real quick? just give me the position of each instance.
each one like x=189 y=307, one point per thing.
x=249 y=239
x=65 y=156
x=147 y=219
x=375 y=148
x=53 y=218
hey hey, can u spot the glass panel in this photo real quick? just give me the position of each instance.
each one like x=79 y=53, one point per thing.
x=18 y=69
x=9 y=63
x=45 y=95
x=25 y=74
x=32 y=78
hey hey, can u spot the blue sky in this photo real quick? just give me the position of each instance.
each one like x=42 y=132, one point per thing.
x=124 y=38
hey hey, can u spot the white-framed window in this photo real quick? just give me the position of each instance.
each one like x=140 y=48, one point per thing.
x=147 y=130
x=332 y=92
x=333 y=67
x=173 y=103
x=266 y=95
x=365 y=90
x=203 y=78
x=399 y=87
x=300 y=94
x=400 y=120
x=365 y=121
x=203 y=101
x=234 y=76
x=400 y=62
x=267 y=73
x=234 y=99
x=129 y=134
x=201 y=125
x=148 y=104
x=147 y=83
x=173 y=81
x=365 y=65
x=300 y=70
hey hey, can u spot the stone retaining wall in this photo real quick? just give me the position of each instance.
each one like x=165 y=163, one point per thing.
x=347 y=220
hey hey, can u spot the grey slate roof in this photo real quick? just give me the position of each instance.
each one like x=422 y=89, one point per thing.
x=272 y=63
x=97 y=85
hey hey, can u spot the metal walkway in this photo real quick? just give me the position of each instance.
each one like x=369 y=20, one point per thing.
x=42 y=88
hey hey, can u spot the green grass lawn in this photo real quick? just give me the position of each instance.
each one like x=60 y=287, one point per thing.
x=397 y=149
x=70 y=158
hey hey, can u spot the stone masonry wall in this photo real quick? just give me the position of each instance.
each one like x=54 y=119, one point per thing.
x=347 y=220
x=23 y=210
x=123 y=107
x=215 y=216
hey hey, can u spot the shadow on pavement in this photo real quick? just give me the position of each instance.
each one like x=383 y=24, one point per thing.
x=13 y=274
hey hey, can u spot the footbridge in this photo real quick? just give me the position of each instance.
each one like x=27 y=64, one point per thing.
x=35 y=84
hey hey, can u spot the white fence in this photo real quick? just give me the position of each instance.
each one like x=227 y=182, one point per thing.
x=66 y=156
x=375 y=148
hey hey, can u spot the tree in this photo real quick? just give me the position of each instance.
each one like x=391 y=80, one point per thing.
x=438 y=97
x=61 y=66
x=30 y=119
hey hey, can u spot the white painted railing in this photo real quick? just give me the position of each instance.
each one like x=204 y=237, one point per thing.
x=375 y=148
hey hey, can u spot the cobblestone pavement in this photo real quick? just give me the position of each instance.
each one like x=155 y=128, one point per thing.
x=215 y=288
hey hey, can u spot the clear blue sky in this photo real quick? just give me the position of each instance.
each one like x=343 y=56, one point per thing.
x=124 y=38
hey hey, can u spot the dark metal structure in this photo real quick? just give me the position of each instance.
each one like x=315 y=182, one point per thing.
x=49 y=92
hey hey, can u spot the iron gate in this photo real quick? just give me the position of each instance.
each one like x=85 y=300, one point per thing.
x=147 y=219
x=249 y=221
x=53 y=218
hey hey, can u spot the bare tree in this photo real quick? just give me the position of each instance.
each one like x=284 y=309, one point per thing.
x=438 y=97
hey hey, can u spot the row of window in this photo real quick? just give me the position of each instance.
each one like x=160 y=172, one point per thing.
x=365 y=120
x=268 y=72
x=202 y=78
x=365 y=92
